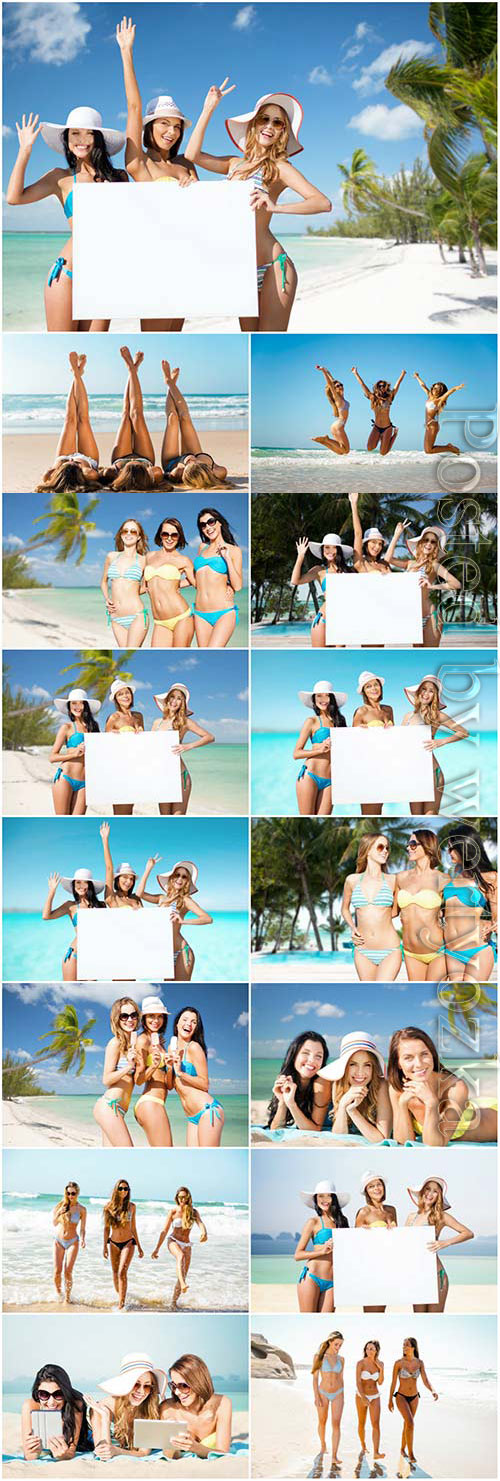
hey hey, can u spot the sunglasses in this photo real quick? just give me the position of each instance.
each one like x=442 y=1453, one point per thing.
x=207 y=524
x=44 y=1394
x=413 y=843
x=125 y=1016
x=180 y=1388
x=123 y=1188
x=72 y=1192
x=170 y=534
x=129 y=530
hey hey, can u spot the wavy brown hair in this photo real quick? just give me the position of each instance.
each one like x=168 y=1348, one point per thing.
x=431 y=845
x=179 y=721
x=369 y=1200
x=142 y=543
x=368 y=1106
x=432 y=561
x=187 y=1207
x=254 y=160
x=117 y=1209
x=121 y=1037
x=125 y=1415
x=365 y=844
x=402 y=1036
x=436 y=1214
x=431 y=713
x=66 y=476
x=198 y=476
x=63 y=1207
x=194 y=1372
x=319 y=1355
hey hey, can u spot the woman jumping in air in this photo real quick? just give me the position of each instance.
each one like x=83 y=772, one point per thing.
x=437 y=396
x=381 y=398
x=338 y=441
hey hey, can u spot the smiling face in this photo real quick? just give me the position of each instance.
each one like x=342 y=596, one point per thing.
x=330 y=553
x=427 y=693
x=50 y=1396
x=124 y=698
x=376 y=1190
x=374 y=548
x=130 y=534
x=415 y=850
x=270 y=125
x=181 y=1390
x=360 y=1068
x=309 y=1059
x=76 y=708
x=322 y=702
x=323 y=1201
x=430 y=1193
x=210 y=527
x=126 y=883
x=181 y=879
x=141 y=1390
x=169 y=536
x=166 y=132
x=379 y=850
x=415 y=1060
x=174 y=700
x=129 y=1017
x=81 y=887
x=429 y=545
x=370 y=1350
x=154 y=1022
x=81 y=143
x=187 y=1024
x=372 y=690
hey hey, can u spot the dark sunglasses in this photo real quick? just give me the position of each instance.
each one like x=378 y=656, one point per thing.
x=44 y=1395
x=206 y=524
x=125 y=1016
x=179 y=1388
x=170 y=534
x=72 y=1192
x=123 y=1188
x=413 y=843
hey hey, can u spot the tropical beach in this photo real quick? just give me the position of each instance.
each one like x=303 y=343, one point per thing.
x=26 y=456
x=219 y=785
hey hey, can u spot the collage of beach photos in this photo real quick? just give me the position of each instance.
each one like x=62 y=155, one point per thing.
x=249 y=995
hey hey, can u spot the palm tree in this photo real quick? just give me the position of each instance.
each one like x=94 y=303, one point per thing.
x=16 y=572
x=95 y=671
x=26 y=722
x=66 y=525
x=362 y=188
x=69 y=1041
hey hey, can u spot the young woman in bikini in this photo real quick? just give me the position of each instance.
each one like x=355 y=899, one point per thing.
x=360 y=1096
x=331 y=560
x=315 y=1291
x=208 y=1415
x=188 y=1057
x=428 y=709
x=369 y=1380
x=405 y=1373
x=429 y=1101
x=182 y=456
x=120 y=1063
x=70 y=1222
x=381 y=397
x=418 y=899
x=120 y=888
x=120 y=1237
x=153 y=1072
x=299 y=1097
x=338 y=441
x=314 y=781
x=124 y=721
x=84 y=891
x=375 y=1213
x=370 y=894
x=164 y=575
x=426 y=551
x=133 y=457
x=122 y=580
x=218 y=568
x=175 y=715
x=437 y=397
x=136 y=1392
x=53 y=1393
x=433 y=1208
x=267 y=137
x=372 y=713
x=328 y=1388
x=372 y=552
x=178 y=886
x=470 y=907
x=68 y=752
x=76 y=465
x=177 y=1232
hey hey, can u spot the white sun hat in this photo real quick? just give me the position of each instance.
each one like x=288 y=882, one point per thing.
x=153 y=1004
x=412 y=689
x=124 y=868
x=325 y=1187
x=81 y=694
x=322 y=686
x=163 y=106
x=82 y=876
x=372 y=1177
x=120 y=684
x=237 y=126
x=374 y=534
x=132 y=1367
x=317 y=549
x=365 y=677
x=429 y=530
x=159 y=699
x=414 y=1192
x=181 y=864
x=82 y=118
x=349 y=1045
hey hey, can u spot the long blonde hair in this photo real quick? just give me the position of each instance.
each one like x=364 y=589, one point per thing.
x=368 y=1106
x=117 y=1209
x=430 y=565
x=121 y=1037
x=187 y=1207
x=179 y=721
x=436 y=1215
x=66 y=476
x=198 y=476
x=431 y=714
x=319 y=1355
x=365 y=844
x=125 y=1415
x=268 y=162
x=63 y=1207
x=180 y=896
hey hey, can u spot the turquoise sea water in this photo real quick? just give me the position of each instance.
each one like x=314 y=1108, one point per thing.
x=33 y=949
x=264 y=1072
x=479 y=1270
x=77 y=1110
x=44 y=413
x=274 y=773
x=85 y=604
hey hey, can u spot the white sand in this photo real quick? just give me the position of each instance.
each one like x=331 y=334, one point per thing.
x=25 y=625
x=298 y=470
x=265 y=635
x=27 y=789
x=403 y=286
x=462 y=1300
x=228 y=1466
x=318 y=968
x=30 y=1122
x=27 y=458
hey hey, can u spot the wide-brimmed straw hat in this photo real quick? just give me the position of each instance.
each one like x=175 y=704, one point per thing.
x=82 y=876
x=120 y=684
x=414 y=1192
x=181 y=864
x=132 y=1367
x=153 y=1004
x=365 y=677
x=317 y=549
x=322 y=686
x=374 y=534
x=159 y=699
x=82 y=118
x=237 y=126
x=411 y=690
x=325 y=1187
x=163 y=106
x=81 y=694
x=429 y=530
x=349 y=1045
x=372 y=1177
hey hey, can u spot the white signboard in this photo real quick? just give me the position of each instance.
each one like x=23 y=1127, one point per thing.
x=372 y=765
x=132 y=768
x=370 y=608
x=140 y=252
x=384 y=1267
x=125 y=944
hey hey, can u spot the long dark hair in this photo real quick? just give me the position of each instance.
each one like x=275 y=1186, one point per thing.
x=87 y=717
x=339 y=562
x=226 y=532
x=177 y=525
x=304 y=1097
x=149 y=142
x=74 y=1403
x=334 y=1212
x=94 y=903
x=473 y=857
x=161 y=1031
x=199 y=1033
x=99 y=158
x=394 y=1073
x=333 y=712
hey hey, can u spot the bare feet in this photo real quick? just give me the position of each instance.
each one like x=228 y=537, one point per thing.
x=170 y=376
x=126 y=355
x=74 y=361
x=138 y=358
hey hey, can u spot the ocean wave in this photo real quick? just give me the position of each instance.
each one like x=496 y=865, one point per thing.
x=48 y=410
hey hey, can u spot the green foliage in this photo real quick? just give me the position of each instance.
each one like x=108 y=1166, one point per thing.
x=16 y=571
x=68 y=1040
x=26 y=722
x=18 y=1078
x=95 y=671
x=66 y=525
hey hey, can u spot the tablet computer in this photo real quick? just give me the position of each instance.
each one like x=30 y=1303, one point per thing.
x=46 y=1423
x=158 y=1434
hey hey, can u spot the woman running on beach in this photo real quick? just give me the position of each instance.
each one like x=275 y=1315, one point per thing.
x=188 y=1056
x=164 y=574
x=267 y=137
x=405 y=1373
x=314 y=781
x=154 y=1073
x=182 y=456
x=315 y=1287
x=84 y=890
x=372 y=714
x=328 y=1389
x=218 y=568
x=177 y=1232
x=433 y=1208
x=370 y=894
x=124 y=721
x=87 y=147
x=120 y=1237
x=136 y=1392
x=369 y=1380
x=120 y=1062
x=299 y=1098
x=338 y=441
x=437 y=396
x=179 y=885
x=331 y=557
x=376 y=1213
x=360 y=1096
x=133 y=464
x=68 y=793
x=76 y=464
x=53 y=1393
x=470 y=904
x=428 y=1101
x=428 y=709
x=384 y=432
x=208 y=1415
x=153 y=142
x=418 y=896
x=67 y=1216
x=426 y=551
x=173 y=705
x=122 y=579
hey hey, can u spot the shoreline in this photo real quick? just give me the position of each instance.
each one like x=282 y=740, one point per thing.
x=26 y=459
x=297 y=470
x=27 y=790
x=27 y=627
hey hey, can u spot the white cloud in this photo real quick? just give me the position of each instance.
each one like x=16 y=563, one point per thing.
x=141 y=684
x=354 y=51
x=308 y=1005
x=99 y=534
x=6 y=131
x=287 y=1019
x=37 y=692
x=189 y=663
x=21 y=1054
x=243 y=696
x=242 y=1021
x=372 y=78
x=53 y=34
x=320 y=76
x=14 y=542
x=330 y=1010
x=431 y=1003
x=245 y=18
x=380 y=122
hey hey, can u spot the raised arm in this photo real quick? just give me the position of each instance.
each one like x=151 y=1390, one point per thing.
x=395 y=388
x=134 y=153
x=361 y=382
x=398 y=531
x=298 y=578
x=219 y=164
x=421 y=383
x=19 y=194
x=140 y=889
x=48 y=913
x=443 y=399
x=104 y=832
x=356 y=524
x=311 y=203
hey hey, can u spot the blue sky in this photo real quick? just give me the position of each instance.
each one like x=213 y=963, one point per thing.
x=280 y=1013
x=469 y=684
x=28 y=1009
x=333 y=58
x=156 y=1174
x=462 y=1342
x=112 y=509
x=33 y=849
x=217 y=682
x=222 y=1342
x=277 y=1182
x=216 y=363
x=289 y=406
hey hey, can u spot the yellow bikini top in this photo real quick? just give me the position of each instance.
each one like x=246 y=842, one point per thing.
x=125 y=730
x=166 y=573
x=427 y=899
x=370 y=724
x=376 y=1224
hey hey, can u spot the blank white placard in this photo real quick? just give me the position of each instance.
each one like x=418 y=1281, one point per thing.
x=169 y=253
x=132 y=768
x=384 y=1267
x=370 y=608
x=133 y=945
x=372 y=765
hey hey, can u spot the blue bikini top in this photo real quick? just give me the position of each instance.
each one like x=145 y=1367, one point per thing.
x=133 y=573
x=327 y=1367
x=323 y=1234
x=68 y=203
x=216 y=562
x=468 y=894
x=321 y=734
x=75 y=739
x=187 y=1068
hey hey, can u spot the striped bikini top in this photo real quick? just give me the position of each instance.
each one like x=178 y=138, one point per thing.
x=132 y=573
x=383 y=896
